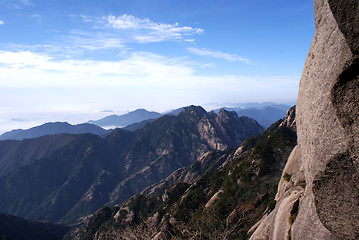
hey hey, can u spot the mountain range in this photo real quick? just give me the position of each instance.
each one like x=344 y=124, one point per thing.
x=62 y=178
x=219 y=196
x=265 y=117
x=264 y=113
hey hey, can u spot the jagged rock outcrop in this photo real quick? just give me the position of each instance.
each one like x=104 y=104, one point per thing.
x=289 y=120
x=318 y=196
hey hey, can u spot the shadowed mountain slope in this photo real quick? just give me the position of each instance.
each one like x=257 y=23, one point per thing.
x=14 y=154
x=14 y=228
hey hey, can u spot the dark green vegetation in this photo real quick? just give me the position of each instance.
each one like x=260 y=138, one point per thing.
x=223 y=202
x=72 y=180
x=14 y=228
x=287 y=177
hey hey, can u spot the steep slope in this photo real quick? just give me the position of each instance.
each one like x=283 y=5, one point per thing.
x=136 y=116
x=52 y=128
x=93 y=171
x=20 y=229
x=326 y=157
x=218 y=197
x=209 y=161
x=14 y=154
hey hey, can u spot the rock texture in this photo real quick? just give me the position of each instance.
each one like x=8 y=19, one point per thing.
x=323 y=168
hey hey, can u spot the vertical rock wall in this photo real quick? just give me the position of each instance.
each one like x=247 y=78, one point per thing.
x=328 y=136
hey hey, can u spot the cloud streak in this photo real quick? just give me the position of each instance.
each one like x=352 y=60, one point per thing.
x=145 y=30
x=219 y=55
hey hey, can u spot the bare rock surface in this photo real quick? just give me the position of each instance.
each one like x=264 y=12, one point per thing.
x=325 y=163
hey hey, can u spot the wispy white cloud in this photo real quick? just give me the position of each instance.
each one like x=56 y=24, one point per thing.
x=1 y=22
x=145 y=30
x=110 y=33
x=106 y=33
x=219 y=55
x=93 y=40
x=37 y=17
x=16 y=4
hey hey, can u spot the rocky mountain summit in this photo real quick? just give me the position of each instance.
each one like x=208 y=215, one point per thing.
x=318 y=195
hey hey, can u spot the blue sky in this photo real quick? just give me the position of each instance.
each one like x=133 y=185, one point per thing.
x=70 y=60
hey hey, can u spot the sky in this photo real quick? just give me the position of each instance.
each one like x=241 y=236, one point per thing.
x=78 y=60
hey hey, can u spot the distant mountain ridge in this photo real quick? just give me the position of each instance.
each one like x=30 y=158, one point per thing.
x=265 y=117
x=52 y=128
x=264 y=113
x=126 y=119
x=90 y=171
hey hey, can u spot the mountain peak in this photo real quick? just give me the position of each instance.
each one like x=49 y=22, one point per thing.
x=194 y=111
x=226 y=114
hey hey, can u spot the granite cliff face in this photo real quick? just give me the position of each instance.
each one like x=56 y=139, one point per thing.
x=318 y=196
